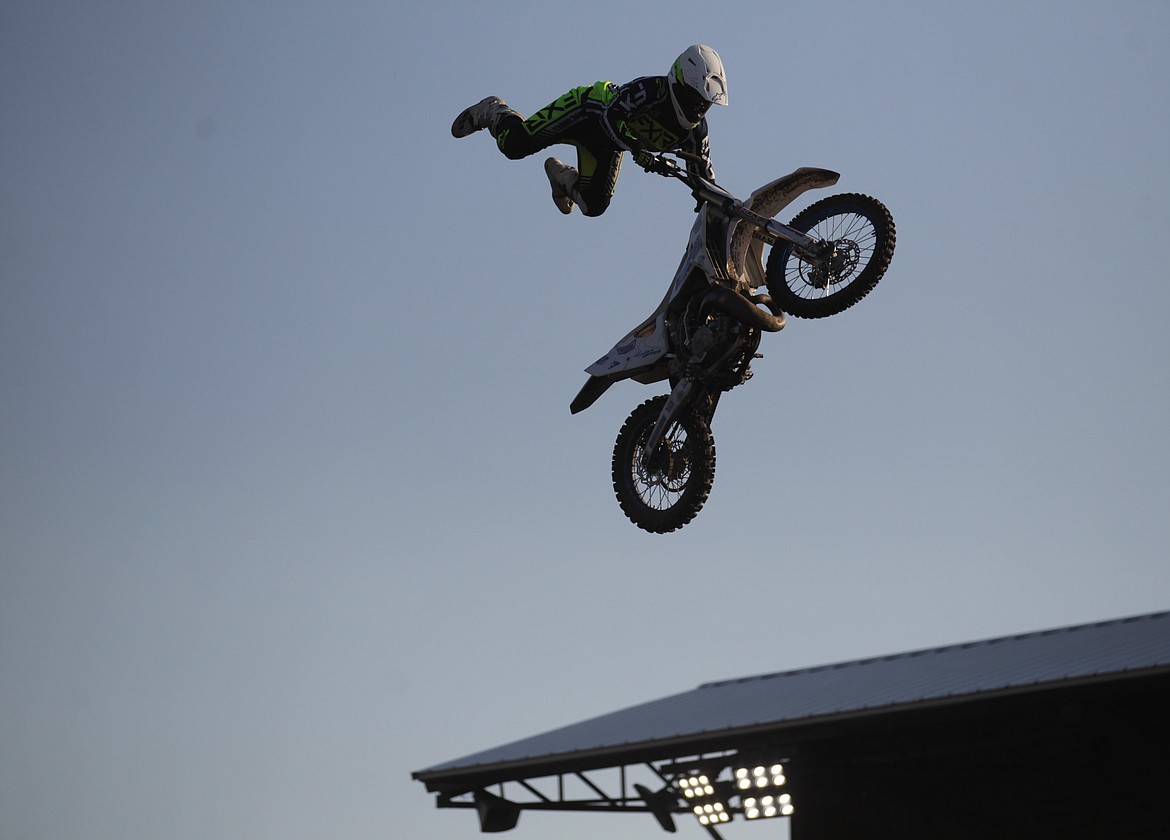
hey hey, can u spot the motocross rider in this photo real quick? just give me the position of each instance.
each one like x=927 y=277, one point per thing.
x=604 y=120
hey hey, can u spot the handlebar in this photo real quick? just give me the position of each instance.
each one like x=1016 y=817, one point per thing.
x=708 y=192
x=660 y=164
x=702 y=189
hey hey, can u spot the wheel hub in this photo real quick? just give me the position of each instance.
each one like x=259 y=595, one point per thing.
x=837 y=263
x=667 y=467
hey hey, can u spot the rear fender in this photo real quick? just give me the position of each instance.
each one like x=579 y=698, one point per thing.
x=640 y=356
x=638 y=350
x=593 y=388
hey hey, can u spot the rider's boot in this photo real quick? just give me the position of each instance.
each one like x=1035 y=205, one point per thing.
x=564 y=181
x=484 y=114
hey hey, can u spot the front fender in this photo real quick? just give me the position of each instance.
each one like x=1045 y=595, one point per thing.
x=747 y=252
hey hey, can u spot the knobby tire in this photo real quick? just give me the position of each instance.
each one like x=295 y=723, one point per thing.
x=865 y=230
x=671 y=492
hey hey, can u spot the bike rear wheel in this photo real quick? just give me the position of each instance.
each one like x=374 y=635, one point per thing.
x=857 y=233
x=665 y=491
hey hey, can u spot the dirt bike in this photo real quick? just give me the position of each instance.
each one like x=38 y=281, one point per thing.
x=704 y=335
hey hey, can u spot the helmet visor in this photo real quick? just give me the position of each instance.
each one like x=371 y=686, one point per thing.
x=692 y=103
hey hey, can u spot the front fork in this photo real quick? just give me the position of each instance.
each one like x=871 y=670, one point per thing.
x=676 y=402
x=801 y=240
x=822 y=255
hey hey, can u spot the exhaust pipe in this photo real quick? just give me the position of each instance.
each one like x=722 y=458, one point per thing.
x=745 y=310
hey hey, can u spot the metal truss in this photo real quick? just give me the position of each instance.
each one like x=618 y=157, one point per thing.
x=648 y=787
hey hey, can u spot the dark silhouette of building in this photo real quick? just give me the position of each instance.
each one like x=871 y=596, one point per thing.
x=1059 y=734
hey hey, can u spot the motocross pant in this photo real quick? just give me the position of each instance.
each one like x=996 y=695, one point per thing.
x=575 y=119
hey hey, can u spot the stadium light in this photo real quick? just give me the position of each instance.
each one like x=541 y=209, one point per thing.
x=708 y=798
x=759 y=785
x=759 y=776
x=697 y=785
x=766 y=806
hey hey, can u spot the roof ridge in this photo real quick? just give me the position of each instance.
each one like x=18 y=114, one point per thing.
x=869 y=660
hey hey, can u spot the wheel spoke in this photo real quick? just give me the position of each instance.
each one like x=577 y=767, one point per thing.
x=660 y=482
x=852 y=233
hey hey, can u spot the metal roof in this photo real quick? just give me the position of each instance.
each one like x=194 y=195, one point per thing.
x=1130 y=647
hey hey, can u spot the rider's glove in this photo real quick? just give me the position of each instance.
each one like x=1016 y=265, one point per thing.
x=645 y=160
x=652 y=163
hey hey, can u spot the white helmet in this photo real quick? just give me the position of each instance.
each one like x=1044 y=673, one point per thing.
x=697 y=81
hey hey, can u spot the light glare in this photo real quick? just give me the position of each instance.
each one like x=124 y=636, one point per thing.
x=712 y=813
x=768 y=806
x=707 y=803
x=759 y=776
x=696 y=786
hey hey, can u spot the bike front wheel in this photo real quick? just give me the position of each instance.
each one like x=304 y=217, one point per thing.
x=856 y=236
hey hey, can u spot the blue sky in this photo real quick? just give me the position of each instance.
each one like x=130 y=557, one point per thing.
x=291 y=502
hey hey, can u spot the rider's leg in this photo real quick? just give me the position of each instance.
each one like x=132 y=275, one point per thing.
x=558 y=122
x=572 y=118
x=599 y=165
x=518 y=137
x=590 y=186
